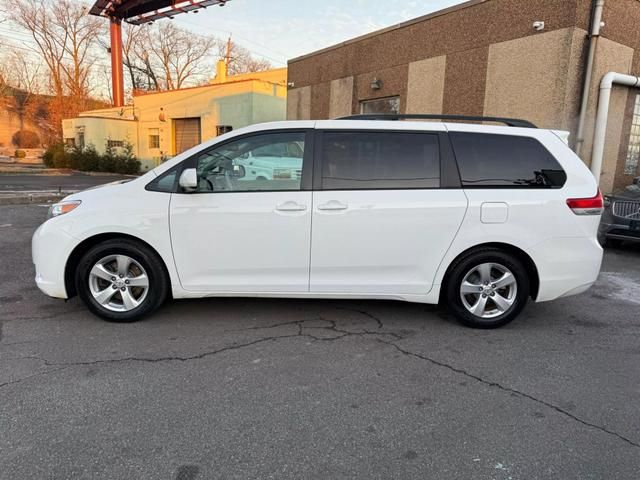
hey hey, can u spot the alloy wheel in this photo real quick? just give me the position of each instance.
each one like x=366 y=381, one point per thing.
x=488 y=290
x=118 y=283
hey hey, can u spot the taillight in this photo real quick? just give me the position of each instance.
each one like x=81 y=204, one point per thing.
x=587 y=206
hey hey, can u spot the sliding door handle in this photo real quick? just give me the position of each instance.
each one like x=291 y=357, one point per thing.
x=333 y=205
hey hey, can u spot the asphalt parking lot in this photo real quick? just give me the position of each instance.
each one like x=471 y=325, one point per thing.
x=291 y=389
x=72 y=181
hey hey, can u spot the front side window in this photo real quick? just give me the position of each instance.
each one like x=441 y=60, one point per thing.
x=633 y=150
x=499 y=161
x=380 y=160
x=267 y=162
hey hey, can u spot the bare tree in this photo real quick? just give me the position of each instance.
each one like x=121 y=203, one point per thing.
x=23 y=79
x=81 y=32
x=239 y=59
x=64 y=36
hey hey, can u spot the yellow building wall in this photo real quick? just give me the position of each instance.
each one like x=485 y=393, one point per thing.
x=97 y=131
x=240 y=101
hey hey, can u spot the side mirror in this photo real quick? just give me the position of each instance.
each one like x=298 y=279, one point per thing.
x=238 y=171
x=189 y=180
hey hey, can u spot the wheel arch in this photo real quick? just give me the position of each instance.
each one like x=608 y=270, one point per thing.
x=88 y=243
x=524 y=257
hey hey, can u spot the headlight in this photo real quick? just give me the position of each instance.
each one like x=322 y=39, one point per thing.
x=61 y=208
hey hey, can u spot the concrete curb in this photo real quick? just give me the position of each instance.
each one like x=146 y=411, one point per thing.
x=23 y=198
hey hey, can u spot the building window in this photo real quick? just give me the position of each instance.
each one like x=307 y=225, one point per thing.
x=222 y=129
x=154 y=138
x=115 y=143
x=633 y=151
x=81 y=140
x=70 y=142
x=381 y=105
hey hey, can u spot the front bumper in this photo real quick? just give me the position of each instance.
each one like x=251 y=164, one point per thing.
x=50 y=249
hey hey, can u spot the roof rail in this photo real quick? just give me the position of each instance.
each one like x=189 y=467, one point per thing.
x=511 y=122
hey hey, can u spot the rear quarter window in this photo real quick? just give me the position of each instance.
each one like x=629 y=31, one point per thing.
x=505 y=161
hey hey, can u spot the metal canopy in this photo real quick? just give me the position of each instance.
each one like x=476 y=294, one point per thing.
x=138 y=12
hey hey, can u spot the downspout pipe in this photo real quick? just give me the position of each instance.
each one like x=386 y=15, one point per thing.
x=594 y=34
x=606 y=85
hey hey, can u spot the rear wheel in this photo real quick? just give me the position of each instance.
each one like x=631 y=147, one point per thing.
x=121 y=280
x=487 y=288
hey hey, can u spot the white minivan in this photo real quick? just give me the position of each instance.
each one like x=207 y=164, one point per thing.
x=479 y=217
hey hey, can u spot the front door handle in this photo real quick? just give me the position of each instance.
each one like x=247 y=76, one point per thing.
x=333 y=205
x=291 y=207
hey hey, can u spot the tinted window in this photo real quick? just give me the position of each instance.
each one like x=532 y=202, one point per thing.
x=505 y=161
x=267 y=162
x=370 y=160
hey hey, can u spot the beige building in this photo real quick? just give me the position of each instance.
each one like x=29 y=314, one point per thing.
x=492 y=58
x=161 y=125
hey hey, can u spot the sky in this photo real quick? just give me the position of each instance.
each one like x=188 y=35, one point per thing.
x=283 y=29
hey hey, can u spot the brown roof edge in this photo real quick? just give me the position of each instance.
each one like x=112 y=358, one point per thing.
x=101 y=118
x=444 y=11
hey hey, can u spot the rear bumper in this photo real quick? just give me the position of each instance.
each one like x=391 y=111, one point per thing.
x=566 y=266
x=50 y=249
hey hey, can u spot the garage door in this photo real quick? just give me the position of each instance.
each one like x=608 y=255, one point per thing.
x=187 y=133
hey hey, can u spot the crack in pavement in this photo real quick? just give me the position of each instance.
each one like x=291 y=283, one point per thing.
x=365 y=313
x=511 y=390
x=301 y=334
x=332 y=327
x=13 y=382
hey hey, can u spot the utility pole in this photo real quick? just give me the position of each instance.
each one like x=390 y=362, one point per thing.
x=227 y=58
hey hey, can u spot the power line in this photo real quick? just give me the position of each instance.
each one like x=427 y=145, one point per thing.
x=283 y=57
x=35 y=50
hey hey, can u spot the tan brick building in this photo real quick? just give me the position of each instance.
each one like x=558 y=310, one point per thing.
x=486 y=57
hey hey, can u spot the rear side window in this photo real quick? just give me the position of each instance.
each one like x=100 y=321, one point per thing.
x=505 y=161
x=380 y=160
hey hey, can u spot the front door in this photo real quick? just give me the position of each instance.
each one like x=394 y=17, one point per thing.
x=245 y=232
x=381 y=224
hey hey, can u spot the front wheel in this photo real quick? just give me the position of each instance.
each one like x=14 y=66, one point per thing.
x=487 y=288
x=121 y=280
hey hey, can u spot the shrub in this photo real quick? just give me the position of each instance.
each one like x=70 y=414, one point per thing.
x=21 y=154
x=89 y=160
x=26 y=139
x=55 y=156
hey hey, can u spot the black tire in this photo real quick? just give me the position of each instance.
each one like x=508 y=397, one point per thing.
x=158 y=289
x=464 y=265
